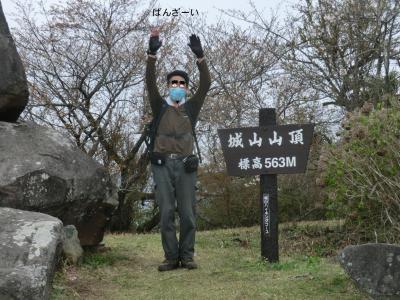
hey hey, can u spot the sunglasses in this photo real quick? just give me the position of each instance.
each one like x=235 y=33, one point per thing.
x=180 y=83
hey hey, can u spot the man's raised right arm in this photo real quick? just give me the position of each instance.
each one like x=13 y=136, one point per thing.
x=155 y=98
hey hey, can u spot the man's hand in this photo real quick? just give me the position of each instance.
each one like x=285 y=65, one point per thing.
x=195 y=45
x=154 y=42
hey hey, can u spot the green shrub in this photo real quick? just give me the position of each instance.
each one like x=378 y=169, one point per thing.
x=226 y=201
x=361 y=173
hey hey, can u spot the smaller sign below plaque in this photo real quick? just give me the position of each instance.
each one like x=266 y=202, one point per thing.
x=266 y=150
x=266 y=216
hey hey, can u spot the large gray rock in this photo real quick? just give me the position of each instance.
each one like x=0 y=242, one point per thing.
x=375 y=268
x=13 y=85
x=42 y=170
x=30 y=245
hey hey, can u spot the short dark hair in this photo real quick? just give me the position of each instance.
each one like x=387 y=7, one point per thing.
x=179 y=73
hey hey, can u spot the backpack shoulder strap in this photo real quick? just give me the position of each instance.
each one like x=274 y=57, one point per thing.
x=193 y=123
x=153 y=127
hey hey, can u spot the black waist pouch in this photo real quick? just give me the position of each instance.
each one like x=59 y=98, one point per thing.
x=190 y=163
x=157 y=158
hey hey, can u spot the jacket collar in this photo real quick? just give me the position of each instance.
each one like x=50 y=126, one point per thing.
x=170 y=102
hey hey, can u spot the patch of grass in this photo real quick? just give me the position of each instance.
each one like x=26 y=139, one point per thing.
x=95 y=260
x=230 y=267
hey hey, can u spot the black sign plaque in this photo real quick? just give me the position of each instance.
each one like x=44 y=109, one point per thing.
x=275 y=149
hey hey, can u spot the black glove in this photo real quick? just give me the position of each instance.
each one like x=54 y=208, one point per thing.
x=154 y=45
x=195 y=45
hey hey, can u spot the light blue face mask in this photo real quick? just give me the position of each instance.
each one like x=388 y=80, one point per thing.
x=177 y=93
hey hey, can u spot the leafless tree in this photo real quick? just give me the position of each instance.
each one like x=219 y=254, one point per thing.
x=85 y=63
x=336 y=47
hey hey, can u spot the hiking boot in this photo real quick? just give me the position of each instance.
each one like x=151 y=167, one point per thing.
x=168 y=265
x=188 y=263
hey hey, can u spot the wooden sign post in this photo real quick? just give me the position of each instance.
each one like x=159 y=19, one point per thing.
x=267 y=150
x=269 y=201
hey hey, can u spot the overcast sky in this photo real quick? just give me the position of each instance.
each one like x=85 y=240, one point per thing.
x=209 y=8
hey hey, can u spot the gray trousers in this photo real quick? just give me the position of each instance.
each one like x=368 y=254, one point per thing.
x=176 y=189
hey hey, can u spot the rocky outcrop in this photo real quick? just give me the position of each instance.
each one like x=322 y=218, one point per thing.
x=42 y=170
x=30 y=246
x=375 y=268
x=13 y=85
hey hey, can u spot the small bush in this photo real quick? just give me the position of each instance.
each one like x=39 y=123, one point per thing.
x=361 y=174
x=226 y=201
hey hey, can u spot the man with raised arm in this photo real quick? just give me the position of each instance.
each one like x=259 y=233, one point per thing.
x=172 y=160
